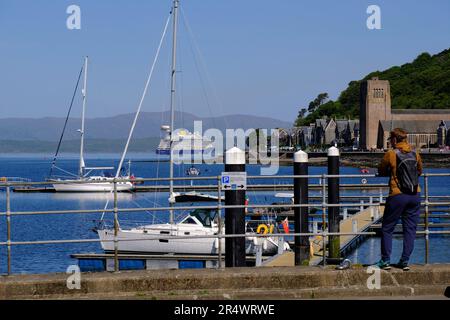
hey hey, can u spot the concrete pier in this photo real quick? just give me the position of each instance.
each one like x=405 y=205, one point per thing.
x=233 y=283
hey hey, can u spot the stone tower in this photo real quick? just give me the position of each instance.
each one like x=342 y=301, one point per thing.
x=374 y=105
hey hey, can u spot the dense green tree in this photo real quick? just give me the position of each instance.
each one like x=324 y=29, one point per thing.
x=421 y=84
x=301 y=115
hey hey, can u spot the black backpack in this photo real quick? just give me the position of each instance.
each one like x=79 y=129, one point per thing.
x=407 y=173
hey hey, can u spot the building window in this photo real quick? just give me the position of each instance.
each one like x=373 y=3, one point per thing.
x=378 y=93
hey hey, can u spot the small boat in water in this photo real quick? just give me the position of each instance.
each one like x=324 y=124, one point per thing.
x=84 y=182
x=91 y=184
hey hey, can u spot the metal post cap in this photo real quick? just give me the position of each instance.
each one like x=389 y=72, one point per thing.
x=333 y=152
x=300 y=156
x=235 y=156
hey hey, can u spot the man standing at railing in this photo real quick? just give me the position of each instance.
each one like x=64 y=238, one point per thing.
x=404 y=166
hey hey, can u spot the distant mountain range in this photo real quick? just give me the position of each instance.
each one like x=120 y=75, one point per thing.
x=117 y=127
x=22 y=135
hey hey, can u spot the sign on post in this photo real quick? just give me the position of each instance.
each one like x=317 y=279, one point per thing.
x=234 y=181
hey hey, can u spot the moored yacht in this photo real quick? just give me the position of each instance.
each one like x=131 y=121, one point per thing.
x=84 y=182
x=151 y=238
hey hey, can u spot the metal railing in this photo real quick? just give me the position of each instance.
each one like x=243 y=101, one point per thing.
x=7 y=185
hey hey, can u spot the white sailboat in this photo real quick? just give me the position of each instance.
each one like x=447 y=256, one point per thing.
x=85 y=182
x=145 y=238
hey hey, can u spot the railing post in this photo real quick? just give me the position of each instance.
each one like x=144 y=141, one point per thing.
x=219 y=219
x=8 y=226
x=315 y=228
x=235 y=217
x=259 y=250
x=324 y=223
x=116 y=229
x=301 y=217
x=372 y=209
x=427 y=237
x=333 y=212
x=354 y=226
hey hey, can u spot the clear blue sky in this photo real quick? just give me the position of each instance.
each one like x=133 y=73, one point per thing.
x=263 y=57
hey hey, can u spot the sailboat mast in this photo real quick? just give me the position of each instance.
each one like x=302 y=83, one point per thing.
x=84 y=92
x=172 y=96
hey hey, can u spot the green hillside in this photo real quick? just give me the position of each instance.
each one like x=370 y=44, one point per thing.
x=421 y=84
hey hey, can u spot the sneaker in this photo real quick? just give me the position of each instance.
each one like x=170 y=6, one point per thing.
x=383 y=265
x=403 y=265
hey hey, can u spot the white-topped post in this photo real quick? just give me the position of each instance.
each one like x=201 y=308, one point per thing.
x=333 y=198
x=301 y=215
x=234 y=217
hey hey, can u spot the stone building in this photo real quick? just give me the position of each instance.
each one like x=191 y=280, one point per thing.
x=376 y=116
x=422 y=133
x=443 y=135
x=375 y=106
x=347 y=132
x=324 y=132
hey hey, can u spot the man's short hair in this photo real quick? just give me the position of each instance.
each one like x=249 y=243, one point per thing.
x=399 y=134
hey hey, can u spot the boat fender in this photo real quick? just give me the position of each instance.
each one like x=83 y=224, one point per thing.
x=311 y=250
x=262 y=227
x=265 y=244
x=216 y=243
x=285 y=224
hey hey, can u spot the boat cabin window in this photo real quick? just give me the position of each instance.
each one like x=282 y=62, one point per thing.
x=204 y=216
x=189 y=221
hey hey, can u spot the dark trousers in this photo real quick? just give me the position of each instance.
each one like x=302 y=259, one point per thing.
x=406 y=207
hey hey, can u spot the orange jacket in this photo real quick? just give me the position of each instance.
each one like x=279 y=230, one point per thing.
x=388 y=167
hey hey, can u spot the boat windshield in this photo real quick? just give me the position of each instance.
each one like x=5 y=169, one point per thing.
x=204 y=216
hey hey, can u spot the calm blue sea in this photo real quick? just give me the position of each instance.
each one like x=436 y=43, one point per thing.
x=56 y=257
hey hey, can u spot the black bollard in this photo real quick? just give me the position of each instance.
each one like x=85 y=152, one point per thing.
x=235 y=218
x=333 y=212
x=301 y=215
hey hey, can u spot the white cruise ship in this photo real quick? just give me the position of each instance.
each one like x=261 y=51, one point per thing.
x=184 y=142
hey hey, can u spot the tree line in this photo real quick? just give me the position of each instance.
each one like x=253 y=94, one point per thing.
x=421 y=84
